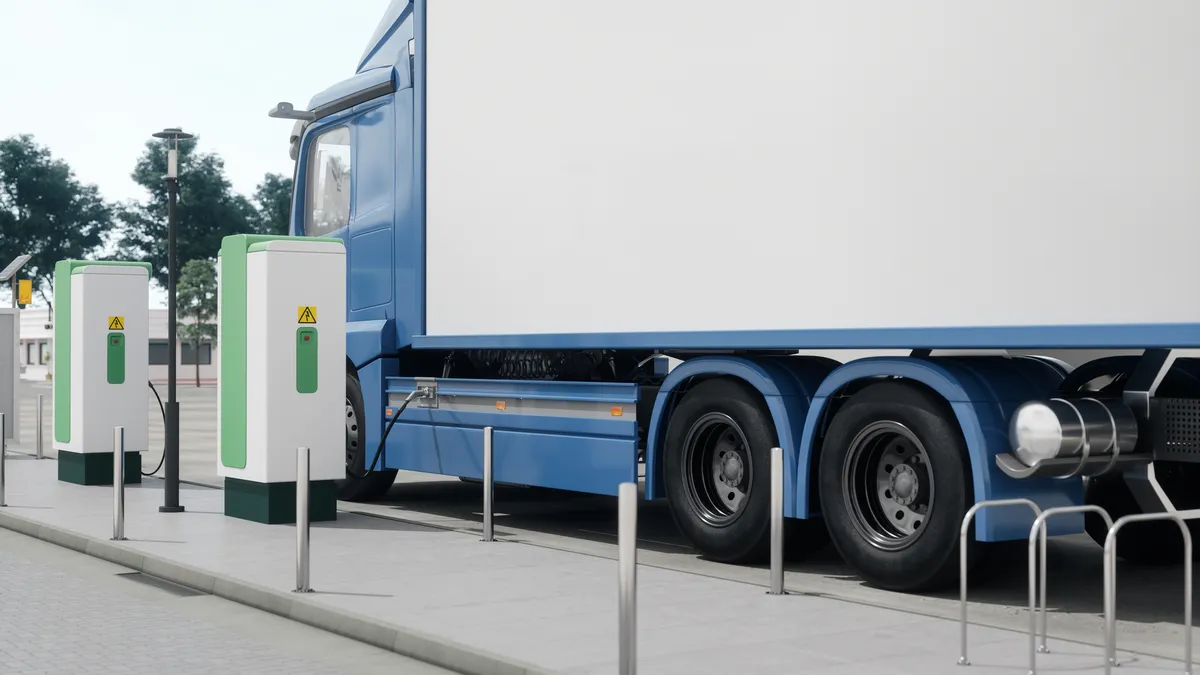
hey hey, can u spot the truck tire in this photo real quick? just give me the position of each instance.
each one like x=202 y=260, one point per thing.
x=377 y=483
x=717 y=475
x=895 y=483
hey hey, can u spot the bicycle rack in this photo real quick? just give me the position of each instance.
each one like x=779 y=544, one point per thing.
x=1038 y=531
x=1110 y=584
x=962 y=561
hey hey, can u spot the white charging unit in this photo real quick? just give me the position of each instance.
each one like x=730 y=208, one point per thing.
x=101 y=367
x=281 y=315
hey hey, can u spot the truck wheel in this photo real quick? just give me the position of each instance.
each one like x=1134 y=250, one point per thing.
x=377 y=483
x=895 y=483
x=717 y=475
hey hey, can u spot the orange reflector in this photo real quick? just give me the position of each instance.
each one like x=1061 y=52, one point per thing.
x=388 y=412
x=501 y=405
x=616 y=411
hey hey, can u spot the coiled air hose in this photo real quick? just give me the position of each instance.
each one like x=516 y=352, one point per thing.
x=421 y=392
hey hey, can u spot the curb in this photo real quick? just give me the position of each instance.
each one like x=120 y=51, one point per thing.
x=414 y=644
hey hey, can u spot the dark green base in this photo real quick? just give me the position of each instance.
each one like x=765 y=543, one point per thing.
x=96 y=468
x=275 y=503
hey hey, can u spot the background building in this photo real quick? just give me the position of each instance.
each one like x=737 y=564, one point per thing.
x=37 y=350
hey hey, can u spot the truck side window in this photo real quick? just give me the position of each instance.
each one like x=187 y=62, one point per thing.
x=328 y=191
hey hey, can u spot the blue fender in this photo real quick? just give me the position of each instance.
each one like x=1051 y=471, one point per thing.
x=786 y=383
x=983 y=392
x=364 y=341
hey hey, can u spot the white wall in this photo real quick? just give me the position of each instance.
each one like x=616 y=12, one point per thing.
x=635 y=165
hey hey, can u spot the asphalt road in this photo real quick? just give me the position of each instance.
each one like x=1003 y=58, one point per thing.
x=1149 y=601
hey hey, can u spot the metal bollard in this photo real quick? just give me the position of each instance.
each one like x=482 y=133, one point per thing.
x=118 y=483
x=41 y=398
x=3 y=455
x=962 y=563
x=302 y=474
x=1038 y=531
x=489 y=486
x=776 y=522
x=627 y=576
x=1110 y=586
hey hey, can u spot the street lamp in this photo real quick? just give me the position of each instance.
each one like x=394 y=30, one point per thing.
x=171 y=459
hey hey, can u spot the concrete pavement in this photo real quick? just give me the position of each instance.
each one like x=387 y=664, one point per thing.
x=65 y=612
x=508 y=607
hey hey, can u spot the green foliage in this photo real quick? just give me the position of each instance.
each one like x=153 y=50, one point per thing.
x=197 y=300
x=46 y=212
x=197 y=305
x=273 y=200
x=207 y=209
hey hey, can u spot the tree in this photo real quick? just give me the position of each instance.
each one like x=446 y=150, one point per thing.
x=198 y=305
x=273 y=201
x=46 y=212
x=208 y=209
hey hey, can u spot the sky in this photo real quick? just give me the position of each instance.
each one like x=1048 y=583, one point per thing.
x=93 y=79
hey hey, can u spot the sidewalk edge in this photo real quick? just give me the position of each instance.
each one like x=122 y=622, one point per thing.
x=414 y=644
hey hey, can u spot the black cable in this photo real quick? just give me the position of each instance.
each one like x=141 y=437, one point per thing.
x=383 y=439
x=373 y=359
x=163 y=410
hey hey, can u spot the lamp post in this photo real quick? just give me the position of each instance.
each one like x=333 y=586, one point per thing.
x=171 y=460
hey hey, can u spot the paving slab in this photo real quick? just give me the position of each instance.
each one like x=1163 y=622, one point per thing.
x=502 y=607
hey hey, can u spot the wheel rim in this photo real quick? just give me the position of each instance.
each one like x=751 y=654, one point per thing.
x=717 y=468
x=887 y=482
x=351 y=434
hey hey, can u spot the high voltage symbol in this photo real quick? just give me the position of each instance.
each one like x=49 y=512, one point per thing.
x=306 y=314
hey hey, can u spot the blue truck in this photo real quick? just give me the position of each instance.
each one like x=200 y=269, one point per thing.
x=937 y=254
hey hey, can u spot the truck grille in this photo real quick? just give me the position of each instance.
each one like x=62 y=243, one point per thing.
x=1175 y=429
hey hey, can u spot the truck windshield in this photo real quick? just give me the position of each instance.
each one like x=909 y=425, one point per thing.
x=327 y=205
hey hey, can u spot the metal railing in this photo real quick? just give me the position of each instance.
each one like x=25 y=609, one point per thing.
x=1036 y=533
x=1110 y=584
x=118 y=484
x=627 y=495
x=962 y=563
x=489 y=486
x=776 y=522
x=303 y=466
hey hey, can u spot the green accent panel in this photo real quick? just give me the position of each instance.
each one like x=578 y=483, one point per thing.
x=96 y=468
x=116 y=358
x=231 y=335
x=64 y=270
x=275 y=503
x=306 y=360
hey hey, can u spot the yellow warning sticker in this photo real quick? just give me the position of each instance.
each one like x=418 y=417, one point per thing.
x=116 y=323
x=306 y=314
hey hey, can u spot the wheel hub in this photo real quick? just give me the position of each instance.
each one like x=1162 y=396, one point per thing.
x=351 y=433
x=905 y=484
x=731 y=469
x=718 y=469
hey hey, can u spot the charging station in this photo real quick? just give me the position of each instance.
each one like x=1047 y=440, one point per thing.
x=281 y=317
x=101 y=367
